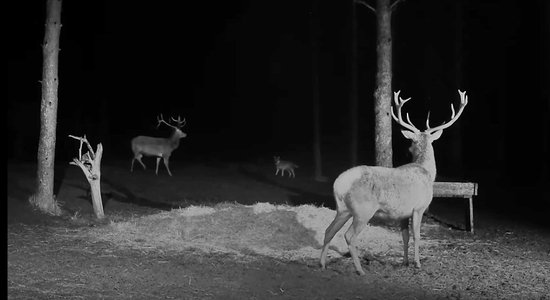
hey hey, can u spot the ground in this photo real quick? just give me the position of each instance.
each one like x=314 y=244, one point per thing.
x=60 y=258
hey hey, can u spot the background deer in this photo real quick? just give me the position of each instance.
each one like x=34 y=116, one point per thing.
x=283 y=165
x=158 y=147
x=390 y=194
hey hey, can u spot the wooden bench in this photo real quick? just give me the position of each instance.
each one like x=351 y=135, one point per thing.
x=465 y=190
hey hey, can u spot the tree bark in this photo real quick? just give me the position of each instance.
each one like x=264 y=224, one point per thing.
x=383 y=93
x=44 y=198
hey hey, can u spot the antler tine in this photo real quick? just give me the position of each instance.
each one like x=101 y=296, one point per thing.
x=180 y=122
x=399 y=102
x=428 y=121
x=454 y=114
x=160 y=120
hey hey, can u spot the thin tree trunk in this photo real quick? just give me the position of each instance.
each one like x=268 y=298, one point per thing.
x=456 y=141
x=318 y=173
x=383 y=93
x=44 y=198
x=353 y=106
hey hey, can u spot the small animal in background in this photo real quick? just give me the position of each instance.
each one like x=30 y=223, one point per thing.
x=283 y=166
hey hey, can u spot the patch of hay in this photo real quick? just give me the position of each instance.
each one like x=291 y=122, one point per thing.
x=280 y=231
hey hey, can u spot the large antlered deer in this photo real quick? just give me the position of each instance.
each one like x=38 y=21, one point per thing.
x=391 y=194
x=158 y=147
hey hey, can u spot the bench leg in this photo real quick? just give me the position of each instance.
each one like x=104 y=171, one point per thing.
x=470 y=215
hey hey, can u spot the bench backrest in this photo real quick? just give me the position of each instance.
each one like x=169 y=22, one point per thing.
x=455 y=189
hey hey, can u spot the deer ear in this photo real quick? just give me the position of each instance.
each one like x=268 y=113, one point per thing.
x=434 y=136
x=409 y=134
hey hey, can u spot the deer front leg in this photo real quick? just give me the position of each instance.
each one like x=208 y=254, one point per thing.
x=166 y=162
x=416 y=221
x=405 y=234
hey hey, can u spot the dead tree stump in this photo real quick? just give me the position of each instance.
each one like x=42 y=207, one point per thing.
x=90 y=163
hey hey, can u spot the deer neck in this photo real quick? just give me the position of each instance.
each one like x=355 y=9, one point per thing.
x=427 y=160
x=174 y=139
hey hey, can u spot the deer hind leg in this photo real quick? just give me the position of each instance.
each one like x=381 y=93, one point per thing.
x=405 y=234
x=157 y=168
x=166 y=163
x=138 y=158
x=416 y=221
x=341 y=218
x=292 y=173
x=361 y=216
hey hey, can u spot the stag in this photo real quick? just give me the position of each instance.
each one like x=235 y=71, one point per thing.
x=158 y=147
x=389 y=194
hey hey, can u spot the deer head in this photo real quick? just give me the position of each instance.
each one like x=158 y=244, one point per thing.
x=421 y=146
x=179 y=123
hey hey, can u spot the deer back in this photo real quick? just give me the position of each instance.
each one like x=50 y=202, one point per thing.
x=396 y=192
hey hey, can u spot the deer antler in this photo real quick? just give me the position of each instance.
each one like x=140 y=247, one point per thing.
x=179 y=121
x=399 y=102
x=454 y=116
x=160 y=120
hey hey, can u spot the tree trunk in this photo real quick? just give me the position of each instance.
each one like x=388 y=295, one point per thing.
x=383 y=93
x=44 y=197
x=318 y=173
x=95 y=183
x=353 y=105
x=456 y=141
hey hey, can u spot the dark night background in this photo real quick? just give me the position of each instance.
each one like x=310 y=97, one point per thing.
x=240 y=72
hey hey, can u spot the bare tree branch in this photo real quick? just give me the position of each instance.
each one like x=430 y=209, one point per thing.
x=87 y=161
x=365 y=4
x=394 y=5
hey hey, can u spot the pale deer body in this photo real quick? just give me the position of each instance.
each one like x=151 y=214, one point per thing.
x=396 y=192
x=282 y=165
x=388 y=194
x=161 y=148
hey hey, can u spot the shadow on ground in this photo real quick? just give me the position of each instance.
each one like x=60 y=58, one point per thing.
x=298 y=197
